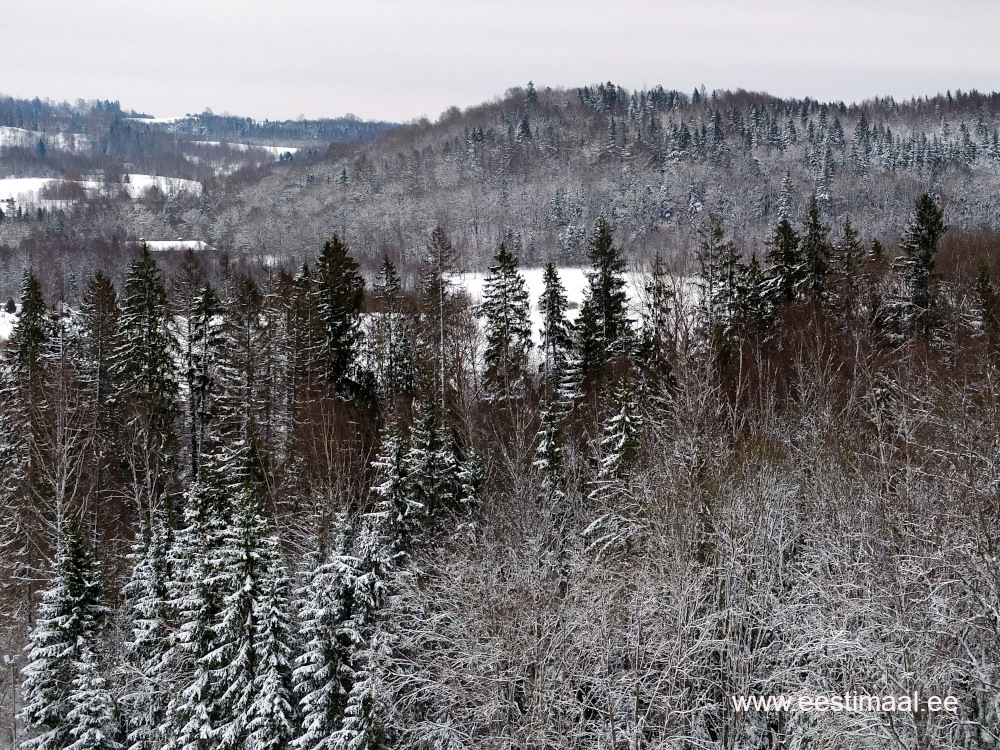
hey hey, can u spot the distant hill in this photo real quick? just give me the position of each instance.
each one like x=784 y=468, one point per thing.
x=535 y=168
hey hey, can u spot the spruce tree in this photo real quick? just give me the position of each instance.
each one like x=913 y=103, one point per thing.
x=619 y=443
x=439 y=298
x=92 y=716
x=323 y=673
x=916 y=265
x=340 y=292
x=397 y=513
x=145 y=367
x=506 y=314
x=603 y=328
x=786 y=266
x=815 y=250
x=719 y=271
x=362 y=724
x=393 y=334
x=146 y=601
x=62 y=645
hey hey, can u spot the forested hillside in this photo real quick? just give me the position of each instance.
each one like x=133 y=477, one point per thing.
x=266 y=507
x=537 y=167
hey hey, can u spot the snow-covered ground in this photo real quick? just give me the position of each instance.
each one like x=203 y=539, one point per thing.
x=162 y=246
x=275 y=150
x=7 y=321
x=21 y=138
x=159 y=120
x=24 y=190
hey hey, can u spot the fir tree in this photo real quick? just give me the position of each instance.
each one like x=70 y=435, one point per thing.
x=505 y=310
x=603 y=328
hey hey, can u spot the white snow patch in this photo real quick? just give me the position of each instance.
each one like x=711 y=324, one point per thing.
x=7 y=323
x=162 y=246
x=275 y=150
x=139 y=183
x=21 y=138
x=159 y=120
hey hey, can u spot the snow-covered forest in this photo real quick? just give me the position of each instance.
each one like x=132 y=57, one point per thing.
x=297 y=510
x=534 y=168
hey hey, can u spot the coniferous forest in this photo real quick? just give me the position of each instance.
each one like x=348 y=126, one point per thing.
x=340 y=505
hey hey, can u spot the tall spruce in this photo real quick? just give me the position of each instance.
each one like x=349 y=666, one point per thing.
x=919 y=245
x=392 y=334
x=506 y=316
x=340 y=292
x=603 y=328
x=816 y=251
x=62 y=644
x=146 y=369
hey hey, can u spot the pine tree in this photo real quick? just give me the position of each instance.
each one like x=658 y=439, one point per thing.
x=340 y=291
x=61 y=643
x=26 y=347
x=505 y=311
x=557 y=340
x=603 y=328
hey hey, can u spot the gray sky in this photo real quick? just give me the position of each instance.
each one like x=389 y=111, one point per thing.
x=396 y=60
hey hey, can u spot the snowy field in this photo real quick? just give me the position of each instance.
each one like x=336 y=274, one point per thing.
x=7 y=321
x=24 y=190
x=275 y=150
x=166 y=246
x=21 y=138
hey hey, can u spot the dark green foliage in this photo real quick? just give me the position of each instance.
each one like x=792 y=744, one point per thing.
x=919 y=245
x=815 y=251
x=340 y=292
x=603 y=328
x=786 y=272
x=505 y=312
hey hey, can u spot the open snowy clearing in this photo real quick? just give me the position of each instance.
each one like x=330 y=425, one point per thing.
x=166 y=246
x=24 y=191
x=275 y=150
x=21 y=138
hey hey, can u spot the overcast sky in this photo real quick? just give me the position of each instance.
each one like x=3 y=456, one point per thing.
x=399 y=60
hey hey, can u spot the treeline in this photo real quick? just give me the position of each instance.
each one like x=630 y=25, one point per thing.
x=289 y=513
